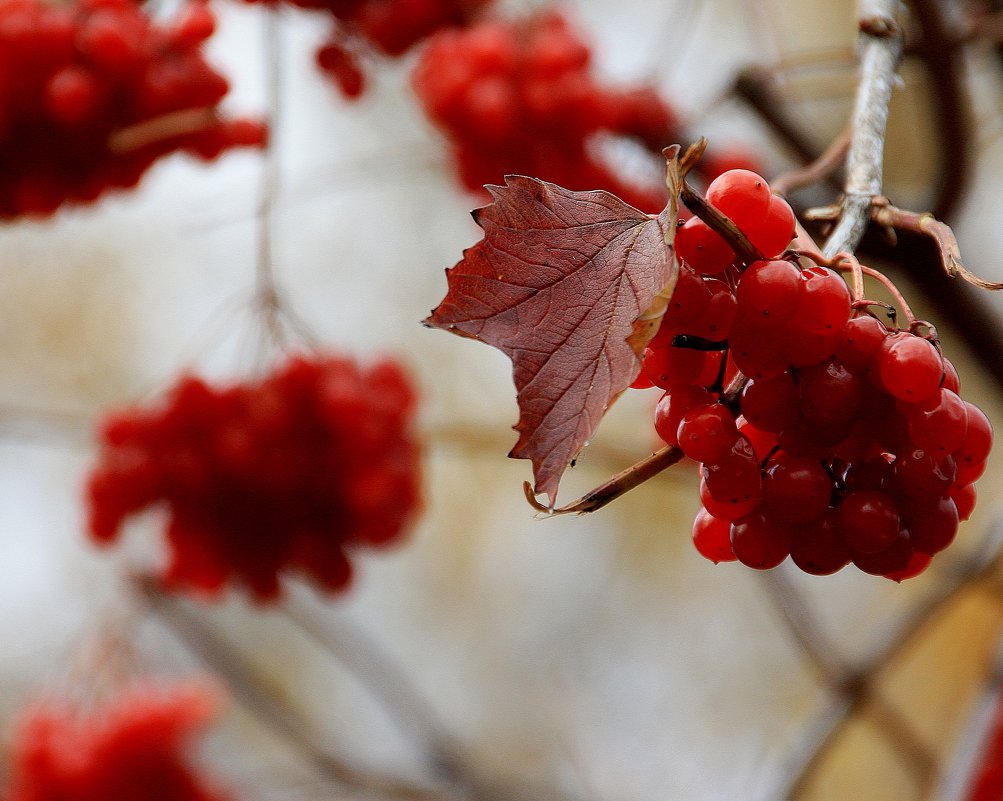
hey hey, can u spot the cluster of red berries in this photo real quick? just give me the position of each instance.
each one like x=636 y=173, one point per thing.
x=131 y=750
x=92 y=92
x=391 y=27
x=285 y=473
x=986 y=783
x=848 y=442
x=519 y=97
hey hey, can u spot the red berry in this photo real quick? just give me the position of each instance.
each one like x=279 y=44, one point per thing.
x=777 y=229
x=868 y=521
x=703 y=248
x=759 y=542
x=712 y=538
x=675 y=403
x=796 y=489
x=707 y=433
x=817 y=547
x=825 y=302
x=62 y=752
x=770 y=290
x=909 y=367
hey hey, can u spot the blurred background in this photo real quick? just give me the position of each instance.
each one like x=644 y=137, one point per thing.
x=593 y=657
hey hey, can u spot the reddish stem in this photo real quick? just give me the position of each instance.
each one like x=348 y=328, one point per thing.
x=169 y=126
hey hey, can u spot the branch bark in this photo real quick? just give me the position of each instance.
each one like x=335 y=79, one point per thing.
x=881 y=49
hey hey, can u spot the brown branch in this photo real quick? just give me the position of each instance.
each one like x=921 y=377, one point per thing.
x=818 y=170
x=941 y=234
x=881 y=49
x=730 y=232
x=939 y=51
x=808 y=633
x=853 y=689
x=622 y=482
x=754 y=87
x=982 y=570
x=169 y=126
x=697 y=203
x=256 y=694
x=386 y=680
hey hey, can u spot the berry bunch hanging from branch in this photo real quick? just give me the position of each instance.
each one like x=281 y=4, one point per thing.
x=94 y=92
x=291 y=472
x=387 y=27
x=520 y=97
x=779 y=377
x=131 y=748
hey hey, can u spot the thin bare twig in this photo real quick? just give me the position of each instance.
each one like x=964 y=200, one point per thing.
x=941 y=234
x=266 y=290
x=386 y=680
x=818 y=170
x=730 y=232
x=269 y=301
x=622 y=482
x=754 y=86
x=255 y=693
x=881 y=49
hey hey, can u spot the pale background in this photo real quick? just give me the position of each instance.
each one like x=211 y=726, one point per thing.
x=597 y=655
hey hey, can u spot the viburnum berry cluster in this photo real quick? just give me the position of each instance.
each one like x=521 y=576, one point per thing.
x=519 y=97
x=391 y=27
x=986 y=783
x=848 y=442
x=92 y=92
x=130 y=750
x=290 y=472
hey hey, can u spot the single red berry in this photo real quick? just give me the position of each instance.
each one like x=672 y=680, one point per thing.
x=759 y=542
x=712 y=538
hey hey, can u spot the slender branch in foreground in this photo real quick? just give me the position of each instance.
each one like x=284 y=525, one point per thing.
x=730 y=232
x=622 y=482
x=258 y=696
x=382 y=676
x=818 y=170
x=881 y=49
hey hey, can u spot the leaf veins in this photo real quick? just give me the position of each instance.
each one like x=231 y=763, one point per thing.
x=570 y=286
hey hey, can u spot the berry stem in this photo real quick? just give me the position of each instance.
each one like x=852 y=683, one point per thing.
x=820 y=169
x=881 y=49
x=897 y=296
x=621 y=483
x=847 y=262
x=266 y=291
x=940 y=232
x=269 y=300
x=730 y=232
x=169 y=126
x=855 y=270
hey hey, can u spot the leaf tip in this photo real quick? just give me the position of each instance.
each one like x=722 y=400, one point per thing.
x=671 y=152
x=530 y=494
